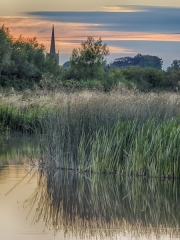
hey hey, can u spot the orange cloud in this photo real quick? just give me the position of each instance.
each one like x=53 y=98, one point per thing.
x=70 y=35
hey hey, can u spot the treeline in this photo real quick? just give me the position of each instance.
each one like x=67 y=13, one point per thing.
x=22 y=61
x=138 y=60
x=87 y=68
x=23 y=64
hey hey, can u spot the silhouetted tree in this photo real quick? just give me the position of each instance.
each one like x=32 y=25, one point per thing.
x=139 y=60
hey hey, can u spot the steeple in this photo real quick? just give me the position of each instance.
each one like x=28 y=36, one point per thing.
x=53 y=54
x=52 y=48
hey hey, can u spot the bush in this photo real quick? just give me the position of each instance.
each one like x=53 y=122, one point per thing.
x=145 y=79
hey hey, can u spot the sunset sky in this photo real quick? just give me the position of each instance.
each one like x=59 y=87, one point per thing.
x=128 y=27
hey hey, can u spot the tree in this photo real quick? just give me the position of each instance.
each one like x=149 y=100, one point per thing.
x=5 y=48
x=22 y=60
x=89 y=60
x=66 y=64
x=172 y=75
x=138 y=60
x=175 y=66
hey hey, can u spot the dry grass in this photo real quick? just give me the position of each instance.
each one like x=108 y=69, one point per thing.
x=118 y=95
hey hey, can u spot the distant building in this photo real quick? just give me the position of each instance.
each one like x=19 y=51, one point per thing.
x=53 y=53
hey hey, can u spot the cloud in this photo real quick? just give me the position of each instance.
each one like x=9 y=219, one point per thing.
x=146 y=30
x=77 y=32
x=122 y=8
x=137 y=19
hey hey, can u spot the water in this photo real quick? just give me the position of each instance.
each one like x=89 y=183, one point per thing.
x=36 y=204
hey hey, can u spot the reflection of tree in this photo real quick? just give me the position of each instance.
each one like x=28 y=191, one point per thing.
x=97 y=204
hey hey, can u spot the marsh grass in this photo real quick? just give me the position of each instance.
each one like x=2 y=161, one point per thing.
x=124 y=131
x=113 y=133
x=23 y=119
x=144 y=149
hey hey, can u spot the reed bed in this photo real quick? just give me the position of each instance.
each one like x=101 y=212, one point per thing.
x=89 y=206
x=122 y=132
x=122 y=135
x=128 y=147
x=24 y=119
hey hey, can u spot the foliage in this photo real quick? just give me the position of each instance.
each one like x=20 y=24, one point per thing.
x=144 y=72
x=112 y=78
x=172 y=76
x=146 y=79
x=22 y=61
x=66 y=64
x=174 y=66
x=5 y=48
x=88 y=61
x=23 y=65
x=139 y=60
x=52 y=67
x=18 y=119
x=172 y=80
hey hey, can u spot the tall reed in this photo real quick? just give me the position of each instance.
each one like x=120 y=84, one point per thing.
x=108 y=134
x=123 y=131
x=146 y=149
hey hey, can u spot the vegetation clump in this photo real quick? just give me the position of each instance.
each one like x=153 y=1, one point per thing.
x=114 y=135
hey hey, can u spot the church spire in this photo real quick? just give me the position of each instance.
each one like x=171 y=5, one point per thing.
x=53 y=54
x=52 y=48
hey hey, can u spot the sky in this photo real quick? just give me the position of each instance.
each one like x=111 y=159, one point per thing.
x=128 y=27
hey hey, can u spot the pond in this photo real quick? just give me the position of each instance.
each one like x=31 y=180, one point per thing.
x=55 y=204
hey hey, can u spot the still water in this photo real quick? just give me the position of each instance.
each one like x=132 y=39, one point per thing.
x=39 y=204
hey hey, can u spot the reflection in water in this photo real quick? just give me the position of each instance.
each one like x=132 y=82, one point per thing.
x=17 y=149
x=84 y=206
x=101 y=205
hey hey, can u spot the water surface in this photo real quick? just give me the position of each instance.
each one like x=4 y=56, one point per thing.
x=36 y=204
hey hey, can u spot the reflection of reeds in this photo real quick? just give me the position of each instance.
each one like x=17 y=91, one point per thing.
x=93 y=205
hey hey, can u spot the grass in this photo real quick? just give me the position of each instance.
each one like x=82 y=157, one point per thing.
x=144 y=149
x=129 y=147
x=19 y=119
x=122 y=132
